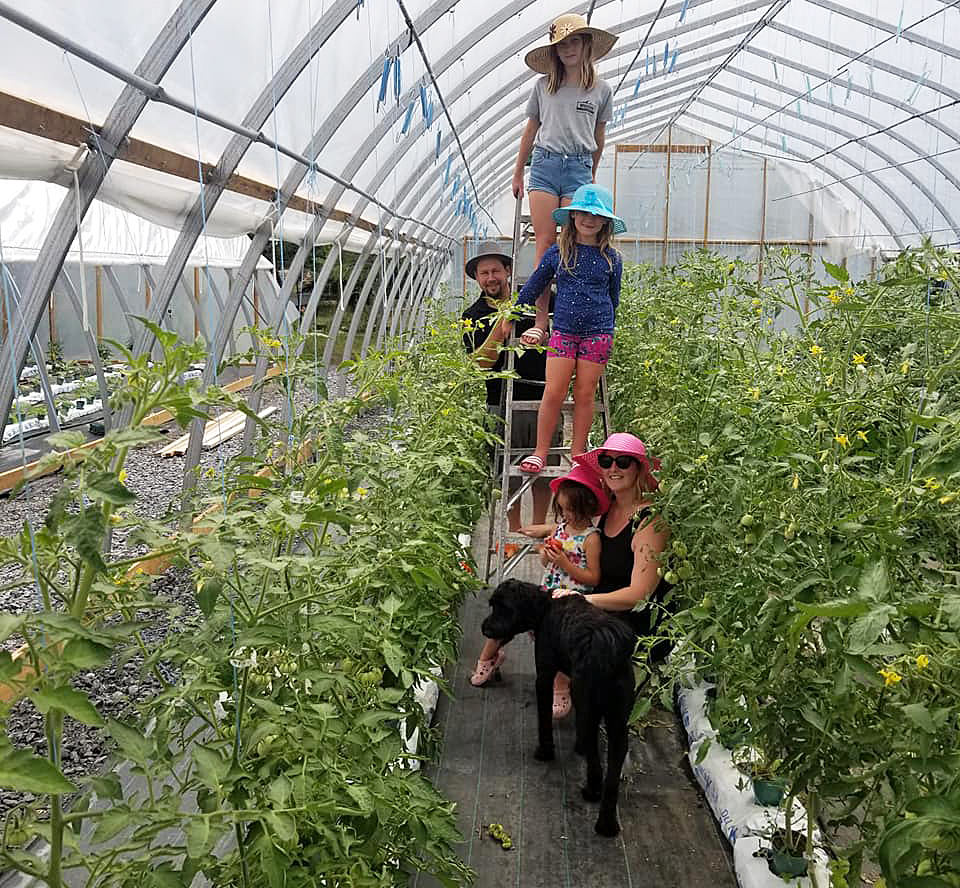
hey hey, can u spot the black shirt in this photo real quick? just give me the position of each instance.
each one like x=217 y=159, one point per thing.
x=530 y=363
x=616 y=569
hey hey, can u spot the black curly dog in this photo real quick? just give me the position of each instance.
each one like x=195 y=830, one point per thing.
x=595 y=650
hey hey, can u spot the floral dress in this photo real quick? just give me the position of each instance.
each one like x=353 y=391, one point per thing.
x=553 y=577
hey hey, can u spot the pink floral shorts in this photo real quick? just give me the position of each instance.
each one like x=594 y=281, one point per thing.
x=594 y=348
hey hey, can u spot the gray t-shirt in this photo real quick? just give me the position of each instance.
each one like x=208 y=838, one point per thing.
x=569 y=117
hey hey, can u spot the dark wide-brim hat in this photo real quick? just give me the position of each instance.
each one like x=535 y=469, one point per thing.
x=487 y=250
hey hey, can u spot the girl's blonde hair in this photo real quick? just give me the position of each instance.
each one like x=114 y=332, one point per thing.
x=588 y=71
x=567 y=243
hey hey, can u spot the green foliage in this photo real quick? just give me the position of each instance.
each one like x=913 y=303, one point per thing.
x=325 y=592
x=810 y=436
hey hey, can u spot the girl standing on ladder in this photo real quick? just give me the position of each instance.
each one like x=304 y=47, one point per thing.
x=568 y=112
x=588 y=271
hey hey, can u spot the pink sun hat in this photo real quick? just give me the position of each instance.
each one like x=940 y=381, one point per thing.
x=590 y=479
x=620 y=442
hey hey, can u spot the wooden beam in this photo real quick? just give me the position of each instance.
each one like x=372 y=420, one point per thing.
x=706 y=208
x=38 y=120
x=663 y=149
x=666 y=202
x=763 y=222
x=98 y=276
x=196 y=301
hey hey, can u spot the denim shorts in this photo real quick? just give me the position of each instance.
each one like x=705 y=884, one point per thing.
x=559 y=174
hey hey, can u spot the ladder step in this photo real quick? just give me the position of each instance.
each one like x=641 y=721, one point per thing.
x=545 y=472
x=566 y=405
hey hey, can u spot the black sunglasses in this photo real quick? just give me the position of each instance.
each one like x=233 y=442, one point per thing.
x=605 y=460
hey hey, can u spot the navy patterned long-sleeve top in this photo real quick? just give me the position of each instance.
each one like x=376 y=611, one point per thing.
x=587 y=295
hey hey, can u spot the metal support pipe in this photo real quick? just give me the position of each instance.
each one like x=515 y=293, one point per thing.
x=74 y=298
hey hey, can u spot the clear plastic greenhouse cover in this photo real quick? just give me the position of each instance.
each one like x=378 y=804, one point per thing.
x=856 y=102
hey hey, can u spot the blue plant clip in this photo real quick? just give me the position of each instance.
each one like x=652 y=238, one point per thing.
x=636 y=89
x=396 y=77
x=673 y=61
x=683 y=10
x=407 y=118
x=666 y=54
x=446 y=174
x=384 y=80
x=423 y=101
x=436 y=153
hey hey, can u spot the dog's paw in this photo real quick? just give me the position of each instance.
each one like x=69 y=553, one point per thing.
x=590 y=795
x=544 y=754
x=608 y=827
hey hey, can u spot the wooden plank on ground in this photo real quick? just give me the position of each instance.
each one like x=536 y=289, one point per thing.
x=215 y=432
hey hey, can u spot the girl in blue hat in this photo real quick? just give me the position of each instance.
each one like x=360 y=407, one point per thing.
x=567 y=114
x=587 y=270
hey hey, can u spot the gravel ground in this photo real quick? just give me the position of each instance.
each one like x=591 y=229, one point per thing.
x=118 y=686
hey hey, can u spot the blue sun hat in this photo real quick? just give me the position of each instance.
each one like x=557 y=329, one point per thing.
x=593 y=199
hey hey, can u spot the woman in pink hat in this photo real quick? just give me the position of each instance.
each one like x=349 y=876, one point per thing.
x=631 y=537
x=570 y=557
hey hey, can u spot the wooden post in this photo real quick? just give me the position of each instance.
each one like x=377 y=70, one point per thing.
x=616 y=154
x=706 y=205
x=196 y=301
x=763 y=223
x=666 y=203
x=98 y=273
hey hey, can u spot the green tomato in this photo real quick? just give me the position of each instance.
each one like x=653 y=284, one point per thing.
x=371 y=677
x=747 y=520
x=680 y=548
x=750 y=539
x=685 y=570
x=671 y=577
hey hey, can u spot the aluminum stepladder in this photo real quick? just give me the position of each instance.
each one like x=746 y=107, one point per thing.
x=506 y=461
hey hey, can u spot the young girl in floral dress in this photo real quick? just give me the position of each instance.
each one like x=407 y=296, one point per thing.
x=570 y=556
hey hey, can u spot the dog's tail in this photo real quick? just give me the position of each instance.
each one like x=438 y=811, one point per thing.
x=611 y=645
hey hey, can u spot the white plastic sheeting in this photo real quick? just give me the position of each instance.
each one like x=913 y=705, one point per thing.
x=836 y=88
x=109 y=236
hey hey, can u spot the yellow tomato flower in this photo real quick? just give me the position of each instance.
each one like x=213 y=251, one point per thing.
x=848 y=291
x=815 y=350
x=842 y=440
x=862 y=436
x=890 y=677
x=931 y=484
x=923 y=661
x=904 y=367
x=781 y=369
x=123 y=475
x=834 y=296
x=755 y=393
x=796 y=481
x=859 y=359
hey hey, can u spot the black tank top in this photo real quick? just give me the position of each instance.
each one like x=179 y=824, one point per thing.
x=616 y=569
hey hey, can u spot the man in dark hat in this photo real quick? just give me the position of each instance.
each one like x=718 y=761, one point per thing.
x=490 y=268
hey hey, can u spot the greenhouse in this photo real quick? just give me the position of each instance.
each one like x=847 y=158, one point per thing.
x=480 y=443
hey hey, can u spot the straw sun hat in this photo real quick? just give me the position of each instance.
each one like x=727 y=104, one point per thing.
x=541 y=58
